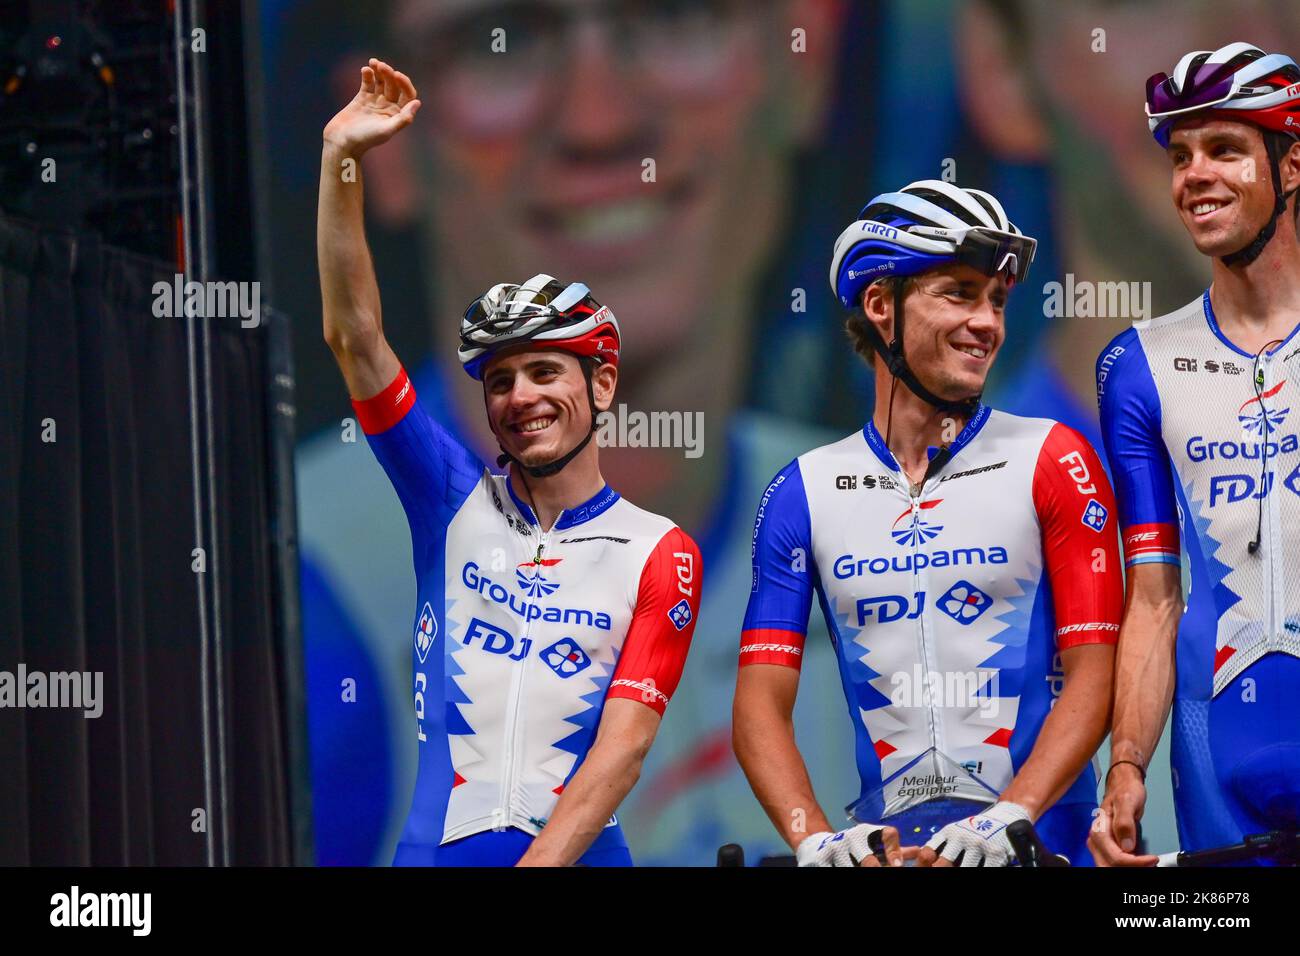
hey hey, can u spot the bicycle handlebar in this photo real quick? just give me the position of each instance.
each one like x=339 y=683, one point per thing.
x=1280 y=845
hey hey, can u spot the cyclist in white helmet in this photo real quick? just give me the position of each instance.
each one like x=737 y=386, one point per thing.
x=1196 y=413
x=964 y=560
x=553 y=616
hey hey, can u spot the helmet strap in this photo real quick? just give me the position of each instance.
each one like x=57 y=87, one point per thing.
x=896 y=362
x=1250 y=252
x=554 y=467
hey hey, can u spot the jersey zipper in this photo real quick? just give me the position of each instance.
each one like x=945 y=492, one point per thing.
x=917 y=495
x=515 y=704
x=1270 y=505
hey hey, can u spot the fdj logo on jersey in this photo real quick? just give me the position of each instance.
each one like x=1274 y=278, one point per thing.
x=426 y=629
x=1232 y=488
x=680 y=614
x=1094 y=516
x=890 y=607
x=918 y=530
x=565 y=657
x=496 y=641
x=964 y=602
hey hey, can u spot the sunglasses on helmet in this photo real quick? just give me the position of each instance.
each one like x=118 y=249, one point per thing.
x=989 y=251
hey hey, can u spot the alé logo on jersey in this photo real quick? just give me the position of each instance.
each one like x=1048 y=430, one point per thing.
x=536 y=584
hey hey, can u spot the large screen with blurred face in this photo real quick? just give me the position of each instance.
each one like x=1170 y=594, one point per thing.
x=692 y=163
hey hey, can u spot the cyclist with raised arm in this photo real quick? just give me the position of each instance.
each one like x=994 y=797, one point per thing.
x=553 y=617
x=965 y=561
x=1196 y=410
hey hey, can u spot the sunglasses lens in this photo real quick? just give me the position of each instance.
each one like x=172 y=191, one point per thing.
x=992 y=253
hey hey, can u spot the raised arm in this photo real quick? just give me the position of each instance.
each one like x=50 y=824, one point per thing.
x=353 y=321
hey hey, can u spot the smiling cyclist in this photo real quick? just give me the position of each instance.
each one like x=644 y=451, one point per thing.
x=553 y=616
x=1197 y=411
x=964 y=559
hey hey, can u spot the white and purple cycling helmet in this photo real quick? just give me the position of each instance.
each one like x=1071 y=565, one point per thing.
x=1238 y=82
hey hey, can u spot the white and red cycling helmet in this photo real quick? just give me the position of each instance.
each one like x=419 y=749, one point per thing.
x=542 y=311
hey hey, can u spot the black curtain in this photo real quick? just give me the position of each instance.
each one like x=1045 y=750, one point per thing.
x=196 y=758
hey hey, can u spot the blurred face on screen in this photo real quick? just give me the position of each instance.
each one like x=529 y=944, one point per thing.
x=640 y=144
x=1093 y=97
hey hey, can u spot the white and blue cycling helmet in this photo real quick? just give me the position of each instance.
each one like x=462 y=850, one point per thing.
x=925 y=225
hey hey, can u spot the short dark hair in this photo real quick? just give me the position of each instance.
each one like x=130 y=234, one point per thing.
x=857 y=325
x=1282 y=144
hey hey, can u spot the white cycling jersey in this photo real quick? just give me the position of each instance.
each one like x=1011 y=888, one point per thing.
x=948 y=603
x=521 y=635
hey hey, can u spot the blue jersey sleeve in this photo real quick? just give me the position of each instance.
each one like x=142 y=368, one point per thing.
x=1139 y=462
x=432 y=473
x=776 y=620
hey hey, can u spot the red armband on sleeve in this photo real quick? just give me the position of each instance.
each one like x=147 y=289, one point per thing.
x=768 y=646
x=381 y=412
x=1151 y=544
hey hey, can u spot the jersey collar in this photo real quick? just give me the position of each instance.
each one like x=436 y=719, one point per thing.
x=964 y=438
x=1213 y=322
x=596 y=505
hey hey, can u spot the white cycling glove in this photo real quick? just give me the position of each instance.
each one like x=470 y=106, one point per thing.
x=846 y=848
x=981 y=839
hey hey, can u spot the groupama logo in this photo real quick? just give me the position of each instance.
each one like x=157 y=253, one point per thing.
x=918 y=530
x=1258 y=420
x=536 y=585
